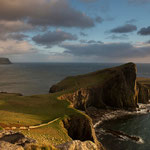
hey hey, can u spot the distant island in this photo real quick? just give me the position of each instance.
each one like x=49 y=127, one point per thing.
x=5 y=61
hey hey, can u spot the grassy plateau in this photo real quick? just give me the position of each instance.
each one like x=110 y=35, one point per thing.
x=24 y=111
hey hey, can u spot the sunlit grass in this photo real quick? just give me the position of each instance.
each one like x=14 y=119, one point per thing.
x=20 y=111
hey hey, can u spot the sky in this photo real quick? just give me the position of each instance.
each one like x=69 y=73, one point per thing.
x=75 y=30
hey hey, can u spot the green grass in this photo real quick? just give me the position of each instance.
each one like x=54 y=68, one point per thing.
x=52 y=134
x=88 y=80
x=20 y=111
x=83 y=81
x=34 y=110
x=31 y=110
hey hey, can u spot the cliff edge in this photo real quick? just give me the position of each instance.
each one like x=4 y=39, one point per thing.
x=114 y=87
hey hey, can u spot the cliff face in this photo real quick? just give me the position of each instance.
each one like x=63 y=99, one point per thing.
x=4 y=61
x=81 y=128
x=114 y=87
x=143 y=93
x=143 y=87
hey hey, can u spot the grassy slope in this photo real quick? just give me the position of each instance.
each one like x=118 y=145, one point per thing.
x=88 y=80
x=83 y=81
x=33 y=110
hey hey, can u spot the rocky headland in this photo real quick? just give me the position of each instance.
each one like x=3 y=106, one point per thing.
x=4 y=61
x=109 y=88
x=107 y=94
x=84 y=102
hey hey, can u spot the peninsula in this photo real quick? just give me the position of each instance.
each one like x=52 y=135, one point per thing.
x=59 y=120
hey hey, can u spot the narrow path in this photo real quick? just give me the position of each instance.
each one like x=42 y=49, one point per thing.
x=31 y=127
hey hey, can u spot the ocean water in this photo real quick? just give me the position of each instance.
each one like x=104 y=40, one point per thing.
x=137 y=125
x=37 y=78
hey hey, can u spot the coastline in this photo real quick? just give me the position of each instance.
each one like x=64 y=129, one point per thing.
x=102 y=116
x=99 y=116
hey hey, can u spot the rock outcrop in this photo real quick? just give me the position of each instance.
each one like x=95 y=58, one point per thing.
x=9 y=146
x=78 y=145
x=10 y=140
x=143 y=93
x=81 y=128
x=5 y=61
x=113 y=87
x=109 y=88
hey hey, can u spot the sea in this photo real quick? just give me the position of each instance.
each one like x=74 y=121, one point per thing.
x=37 y=78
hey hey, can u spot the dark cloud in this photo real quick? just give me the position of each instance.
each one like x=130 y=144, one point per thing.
x=144 y=31
x=99 y=19
x=107 y=50
x=93 y=41
x=44 y=13
x=13 y=29
x=116 y=37
x=83 y=34
x=124 y=29
x=17 y=36
x=90 y=41
x=53 y=38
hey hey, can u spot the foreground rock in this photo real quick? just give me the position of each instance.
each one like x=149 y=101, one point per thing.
x=78 y=145
x=10 y=140
x=9 y=146
x=113 y=87
x=5 y=61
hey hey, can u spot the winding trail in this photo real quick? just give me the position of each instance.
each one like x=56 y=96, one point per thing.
x=31 y=127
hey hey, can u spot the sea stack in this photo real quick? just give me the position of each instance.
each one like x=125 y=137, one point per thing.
x=4 y=61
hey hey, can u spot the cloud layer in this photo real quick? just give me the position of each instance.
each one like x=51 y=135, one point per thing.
x=108 y=50
x=27 y=24
x=44 y=13
x=53 y=38
x=124 y=29
x=144 y=31
x=15 y=47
